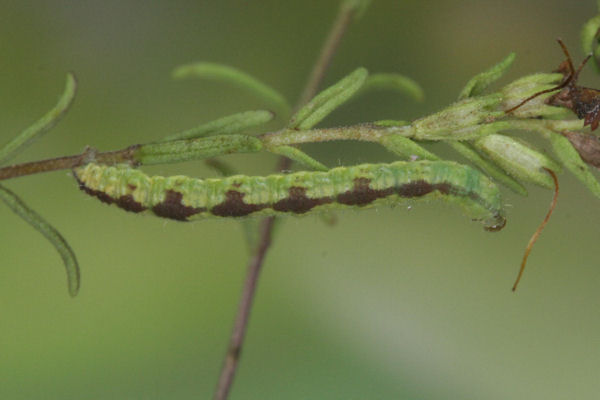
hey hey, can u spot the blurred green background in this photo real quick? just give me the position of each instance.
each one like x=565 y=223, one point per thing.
x=387 y=304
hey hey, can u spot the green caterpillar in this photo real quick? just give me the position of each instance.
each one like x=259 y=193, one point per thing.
x=183 y=198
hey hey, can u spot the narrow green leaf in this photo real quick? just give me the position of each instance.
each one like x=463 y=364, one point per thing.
x=488 y=167
x=225 y=73
x=518 y=159
x=328 y=100
x=225 y=126
x=221 y=167
x=590 y=40
x=299 y=156
x=480 y=82
x=570 y=158
x=406 y=148
x=396 y=82
x=61 y=245
x=42 y=125
x=195 y=149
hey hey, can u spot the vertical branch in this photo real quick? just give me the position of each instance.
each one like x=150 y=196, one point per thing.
x=241 y=322
x=254 y=266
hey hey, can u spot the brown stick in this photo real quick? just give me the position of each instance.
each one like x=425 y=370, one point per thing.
x=232 y=356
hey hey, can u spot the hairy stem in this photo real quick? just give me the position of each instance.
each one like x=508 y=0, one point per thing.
x=232 y=356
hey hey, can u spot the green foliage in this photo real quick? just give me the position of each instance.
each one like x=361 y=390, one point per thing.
x=228 y=125
x=53 y=236
x=224 y=73
x=196 y=149
x=590 y=39
x=480 y=82
x=299 y=156
x=19 y=143
x=518 y=159
x=43 y=125
x=488 y=167
x=406 y=148
x=395 y=82
x=570 y=158
x=328 y=100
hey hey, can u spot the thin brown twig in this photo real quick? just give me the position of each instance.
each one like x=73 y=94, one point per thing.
x=254 y=267
x=539 y=230
x=241 y=323
x=69 y=162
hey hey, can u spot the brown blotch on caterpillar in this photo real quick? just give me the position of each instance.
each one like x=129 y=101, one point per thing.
x=297 y=201
x=172 y=207
x=125 y=202
x=587 y=145
x=584 y=102
x=421 y=188
x=234 y=206
x=128 y=203
x=362 y=194
x=539 y=230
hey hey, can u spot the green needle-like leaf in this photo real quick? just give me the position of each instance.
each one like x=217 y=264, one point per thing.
x=589 y=37
x=225 y=126
x=299 y=156
x=225 y=73
x=395 y=82
x=480 y=82
x=590 y=40
x=570 y=158
x=42 y=125
x=221 y=167
x=61 y=245
x=328 y=100
x=487 y=167
x=406 y=148
x=195 y=149
x=518 y=159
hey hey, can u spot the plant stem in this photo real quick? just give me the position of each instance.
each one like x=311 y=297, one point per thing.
x=69 y=162
x=241 y=323
x=232 y=356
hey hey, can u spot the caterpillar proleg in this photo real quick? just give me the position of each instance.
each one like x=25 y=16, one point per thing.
x=184 y=198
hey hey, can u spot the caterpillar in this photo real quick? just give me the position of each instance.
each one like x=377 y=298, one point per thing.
x=183 y=198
